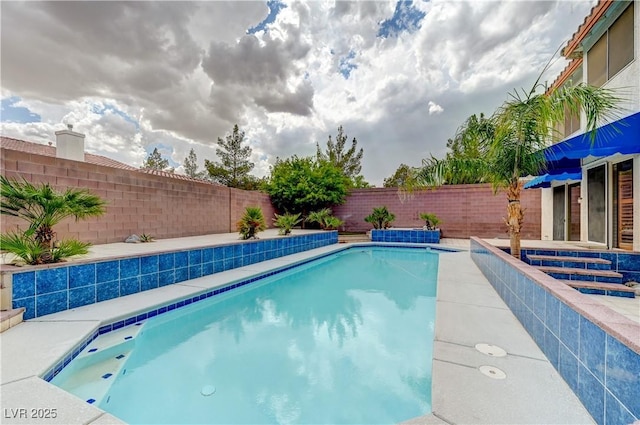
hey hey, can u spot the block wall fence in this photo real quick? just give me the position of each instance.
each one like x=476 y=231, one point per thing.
x=172 y=207
x=137 y=202
x=465 y=210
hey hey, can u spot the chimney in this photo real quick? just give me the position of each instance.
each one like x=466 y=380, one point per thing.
x=69 y=144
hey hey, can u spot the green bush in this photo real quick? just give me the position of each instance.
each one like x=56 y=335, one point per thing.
x=325 y=220
x=286 y=222
x=43 y=207
x=431 y=221
x=380 y=218
x=251 y=223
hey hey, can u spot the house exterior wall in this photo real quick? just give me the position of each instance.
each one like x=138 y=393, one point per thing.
x=160 y=206
x=626 y=86
x=465 y=210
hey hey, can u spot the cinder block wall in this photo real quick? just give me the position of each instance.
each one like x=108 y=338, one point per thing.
x=465 y=210
x=169 y=207
x=137 y=202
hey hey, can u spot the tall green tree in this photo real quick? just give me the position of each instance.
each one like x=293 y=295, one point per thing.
x=520 y=130
x=401 y=177
x=348 y=161
x=465 y=163
x=301 y=185
x=191 y=166
x=155 y=161
x=42 y=207
x=234 y=168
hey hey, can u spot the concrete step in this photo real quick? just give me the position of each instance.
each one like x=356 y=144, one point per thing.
x=572 y=262
x=570 y=273
x=10 y=318
x=599 y=288
x=353 y=238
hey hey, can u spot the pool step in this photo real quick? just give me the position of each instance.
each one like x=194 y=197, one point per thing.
x=571 y=262
x=599 y=288
x=10 y=318
x=90 y=375
x=571 y=273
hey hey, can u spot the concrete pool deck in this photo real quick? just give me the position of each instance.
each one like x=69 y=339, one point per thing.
x=468 y=312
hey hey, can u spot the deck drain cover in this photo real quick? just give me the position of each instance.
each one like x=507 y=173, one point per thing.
x=492 y=372
x=491 y=350
x=207 y=390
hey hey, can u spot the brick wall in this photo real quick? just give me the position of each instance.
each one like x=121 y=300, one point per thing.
x=465 y=210
x=137 y=202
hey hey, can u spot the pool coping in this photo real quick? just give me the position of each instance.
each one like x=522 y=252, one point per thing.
x=85 y=322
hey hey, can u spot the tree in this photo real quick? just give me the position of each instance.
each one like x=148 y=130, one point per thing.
x=301 y=185
x=467 y=142
x=234 y=169
x=401 y=178
x=348 y=162
x=43 y=207
x=155 y=161
x=465 y=163
x=520 y=130
x=191 y=166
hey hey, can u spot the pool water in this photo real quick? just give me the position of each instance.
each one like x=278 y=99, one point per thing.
x=344 y=339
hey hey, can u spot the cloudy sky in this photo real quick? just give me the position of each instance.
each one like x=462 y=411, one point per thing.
x=398 y=76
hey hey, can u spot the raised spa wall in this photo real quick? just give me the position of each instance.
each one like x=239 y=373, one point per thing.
x=49 y=289
x=595 y=349
x=405 y=235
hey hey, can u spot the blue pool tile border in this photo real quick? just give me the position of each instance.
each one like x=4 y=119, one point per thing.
x=55 y=288
x=405 y=235
x=584 y=349
x=140 y=317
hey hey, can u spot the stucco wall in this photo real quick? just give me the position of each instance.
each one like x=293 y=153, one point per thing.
x=465 y=210
x=137 y=202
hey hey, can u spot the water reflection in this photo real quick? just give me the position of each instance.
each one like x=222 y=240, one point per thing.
x=343 y=341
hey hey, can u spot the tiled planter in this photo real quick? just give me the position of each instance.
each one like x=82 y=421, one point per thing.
x=595 y=350
x=406 y=235
x=47 y=290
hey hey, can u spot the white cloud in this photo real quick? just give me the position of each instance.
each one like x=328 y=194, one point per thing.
x=186 y=72
x=434 y=108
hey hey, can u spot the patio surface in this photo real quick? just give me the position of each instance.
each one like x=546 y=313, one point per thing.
x=468 y=312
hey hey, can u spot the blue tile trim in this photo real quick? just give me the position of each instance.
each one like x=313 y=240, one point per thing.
x=601 y=370
x=116 y=278
x=140 y=317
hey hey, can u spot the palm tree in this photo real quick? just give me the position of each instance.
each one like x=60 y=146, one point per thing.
x=251 y=223
x=43 y=207
x=519 y=130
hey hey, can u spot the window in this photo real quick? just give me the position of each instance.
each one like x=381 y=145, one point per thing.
x=621 y=42
x=571 y=123
x=597 y=62
x=613 y=51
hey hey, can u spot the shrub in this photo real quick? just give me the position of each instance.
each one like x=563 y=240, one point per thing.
x=286 y=222
x=43 y=207
x=431 y=221
x=251 y=223
x=324 y=219
x=380 y=218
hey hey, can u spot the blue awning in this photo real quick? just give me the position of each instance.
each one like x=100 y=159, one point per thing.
x=622 y=136
x=547 y=179
x=563 y=159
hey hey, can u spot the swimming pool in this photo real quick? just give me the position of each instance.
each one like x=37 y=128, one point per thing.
x=344 y=339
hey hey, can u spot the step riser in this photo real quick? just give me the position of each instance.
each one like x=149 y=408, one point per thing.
x=593 y=291
x=586 y=278
x=571 y=264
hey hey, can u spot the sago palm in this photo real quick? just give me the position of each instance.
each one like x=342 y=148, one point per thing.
x=42 y=207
